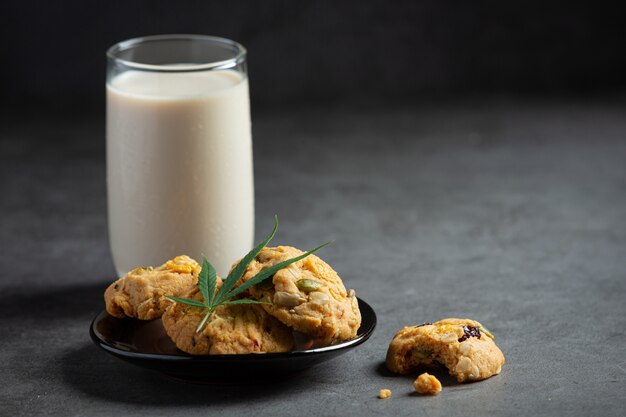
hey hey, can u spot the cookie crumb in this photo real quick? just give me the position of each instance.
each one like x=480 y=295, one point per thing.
x=384 y=394
x=427 y=384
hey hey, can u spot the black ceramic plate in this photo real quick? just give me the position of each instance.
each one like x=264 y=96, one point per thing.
x=145 y=344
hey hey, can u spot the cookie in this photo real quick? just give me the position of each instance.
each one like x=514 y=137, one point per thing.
x=463 y=346
x=308 y=296
x=141 y=293
x=231 y=329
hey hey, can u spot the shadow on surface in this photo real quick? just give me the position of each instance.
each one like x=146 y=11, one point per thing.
x=91 y=371
x=58 y=303
x=441 y=373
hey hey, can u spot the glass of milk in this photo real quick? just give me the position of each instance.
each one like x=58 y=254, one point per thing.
x=179 y=151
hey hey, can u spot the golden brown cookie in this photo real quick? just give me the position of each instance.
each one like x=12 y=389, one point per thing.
x=231 y=329
x=308 y=296
x=141 y=293
x=461 y=345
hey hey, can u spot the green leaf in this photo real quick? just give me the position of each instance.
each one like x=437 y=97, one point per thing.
x=203 y=281
x=238 y=270
x=243 y=301
x=266 y=273
x=206 y=317
x=212 y=281
x=207 y=280
x=187 y=301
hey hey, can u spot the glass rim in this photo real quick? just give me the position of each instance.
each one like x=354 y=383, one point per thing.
x=238 y=49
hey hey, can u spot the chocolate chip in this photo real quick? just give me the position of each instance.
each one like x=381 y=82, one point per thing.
x=469 y=331
x=193 y=341
x=117 y=287
x=423 y=324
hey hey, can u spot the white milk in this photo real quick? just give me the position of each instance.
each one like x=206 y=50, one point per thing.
x=179 y=168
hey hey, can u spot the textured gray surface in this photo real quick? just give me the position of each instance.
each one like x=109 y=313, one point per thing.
x=512 y=214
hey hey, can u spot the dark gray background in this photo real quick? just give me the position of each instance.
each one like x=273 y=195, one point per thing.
x=328 y=51
x=468 y=158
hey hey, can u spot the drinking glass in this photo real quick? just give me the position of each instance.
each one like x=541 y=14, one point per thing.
x=179 y=151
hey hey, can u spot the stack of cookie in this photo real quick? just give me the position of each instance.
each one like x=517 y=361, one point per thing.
x=305 y=305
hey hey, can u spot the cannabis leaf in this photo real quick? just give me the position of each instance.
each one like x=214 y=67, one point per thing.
x=207 y=280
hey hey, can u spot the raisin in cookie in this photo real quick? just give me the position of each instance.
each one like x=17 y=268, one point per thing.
x=463 y=346
x=308 y=296
x=141 y=293
x=231 y=329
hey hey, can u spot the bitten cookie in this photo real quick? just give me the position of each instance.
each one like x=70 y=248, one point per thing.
x=231 y=329
x=308 y=296
x=463 y=346
x=141 y=293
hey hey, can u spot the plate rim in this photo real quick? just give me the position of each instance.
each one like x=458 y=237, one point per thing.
x=184 y=357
